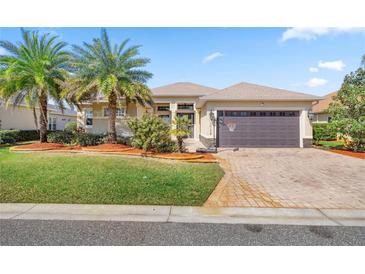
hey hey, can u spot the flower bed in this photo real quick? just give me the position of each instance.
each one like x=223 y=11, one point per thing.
x=118 y=149
x=44 y=147
x=360 y=155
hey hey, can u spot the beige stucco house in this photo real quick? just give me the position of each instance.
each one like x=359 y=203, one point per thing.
x=21 y=117
x=320 y=109
x=242 y=115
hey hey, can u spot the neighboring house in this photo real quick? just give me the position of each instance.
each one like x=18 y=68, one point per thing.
x=21 y=117
x=320 y=109
x=243 y=115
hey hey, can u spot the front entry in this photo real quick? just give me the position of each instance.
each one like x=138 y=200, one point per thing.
x=258 y=129
x=191 y=118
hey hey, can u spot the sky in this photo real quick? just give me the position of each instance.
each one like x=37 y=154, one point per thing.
x=310 y=60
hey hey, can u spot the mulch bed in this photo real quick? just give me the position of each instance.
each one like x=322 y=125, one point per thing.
x=360 y=155
x=119 y=149
x=45 y=146
x=107 y=148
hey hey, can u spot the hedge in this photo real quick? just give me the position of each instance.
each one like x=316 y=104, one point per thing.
x=75 y=138
x=13 y=136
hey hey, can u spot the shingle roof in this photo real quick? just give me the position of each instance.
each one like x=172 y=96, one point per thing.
x=324 y=104
x=183 y=89
x=253 y=92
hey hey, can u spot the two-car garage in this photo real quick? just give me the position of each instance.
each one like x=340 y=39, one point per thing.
x=258 y=129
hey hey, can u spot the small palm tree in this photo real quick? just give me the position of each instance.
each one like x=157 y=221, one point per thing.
x=33 y=72
x=113 y=71
x=181 y=129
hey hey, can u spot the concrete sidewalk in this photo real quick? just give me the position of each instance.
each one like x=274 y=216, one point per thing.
x=182 y=214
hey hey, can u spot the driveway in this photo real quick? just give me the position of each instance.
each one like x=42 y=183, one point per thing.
x=280 y=177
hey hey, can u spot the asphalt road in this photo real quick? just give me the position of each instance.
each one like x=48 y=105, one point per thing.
x=36 y=232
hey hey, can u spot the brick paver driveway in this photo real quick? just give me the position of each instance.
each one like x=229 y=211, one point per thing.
x=290 y=177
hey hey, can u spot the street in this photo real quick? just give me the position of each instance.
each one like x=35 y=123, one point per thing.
x=45 y=232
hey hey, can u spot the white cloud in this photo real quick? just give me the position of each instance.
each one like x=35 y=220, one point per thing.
x=3 y=51
x=334 y=65
x=314 y=33
x=316 y=82
x=313 y=69
x=212 y=56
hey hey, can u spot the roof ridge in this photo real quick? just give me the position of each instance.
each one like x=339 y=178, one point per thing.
x=265 y=86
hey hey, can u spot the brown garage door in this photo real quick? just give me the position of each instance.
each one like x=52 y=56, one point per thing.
x=258 y=129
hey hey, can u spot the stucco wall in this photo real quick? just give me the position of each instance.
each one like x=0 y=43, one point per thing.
x=22 y=118
x=101 y=123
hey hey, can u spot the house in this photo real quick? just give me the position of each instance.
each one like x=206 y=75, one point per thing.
x=242 y=115
x=320 y=110
x=21 y=117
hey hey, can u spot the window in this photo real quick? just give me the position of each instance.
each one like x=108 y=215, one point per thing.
x=106 y=112
x=120 y=112
x=185 y=106
x=89 y=118
x=165 y=118
x=258 y=113
x=52 y=123
x=163 y=108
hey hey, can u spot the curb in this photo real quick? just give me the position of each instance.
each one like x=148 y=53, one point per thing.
x=183 y=214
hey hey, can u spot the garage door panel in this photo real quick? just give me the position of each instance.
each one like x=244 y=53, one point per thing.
x=259 y=131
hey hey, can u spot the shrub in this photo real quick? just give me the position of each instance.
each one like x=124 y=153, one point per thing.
x=75 y=138
x=323 y=132
x=71 y=126
x=151 y=133
x=124 y=140
x=60 y=137
x=13 y=136
x=87 y=139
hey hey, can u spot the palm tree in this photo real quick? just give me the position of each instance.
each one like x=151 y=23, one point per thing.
x=114 y=71
x=33 y=72
x=181 y=130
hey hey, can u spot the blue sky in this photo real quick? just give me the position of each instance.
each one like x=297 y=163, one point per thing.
x=311 y=60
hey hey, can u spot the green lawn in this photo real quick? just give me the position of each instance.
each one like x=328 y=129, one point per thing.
x=336 y=145
x=56 y=178
x=332 y=144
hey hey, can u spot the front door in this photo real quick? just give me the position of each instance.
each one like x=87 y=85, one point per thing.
x=191 y=119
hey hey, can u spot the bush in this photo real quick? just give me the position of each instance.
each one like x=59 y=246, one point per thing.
x=87 y=139
x=323 y=132
x=13 y=136
x=71 y=126
x=124 y=140
x=151 y=133
x=75 y=138
x=60 y=137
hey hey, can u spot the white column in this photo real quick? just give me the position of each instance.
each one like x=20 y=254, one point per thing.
x=197 y=124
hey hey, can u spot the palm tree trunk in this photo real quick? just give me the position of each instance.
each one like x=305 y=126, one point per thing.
x=35 y=118
x=43 y=121
x=112 y=134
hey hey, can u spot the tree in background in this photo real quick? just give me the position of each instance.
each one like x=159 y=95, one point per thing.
x=32 y=72
x=112 y=70
x=181 y=129
x=348 y=109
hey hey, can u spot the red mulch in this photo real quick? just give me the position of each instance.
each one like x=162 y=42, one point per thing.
x=107 y=148
x=46 y=146
x=118 y=148
x=360 y=155
x=178 y=156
